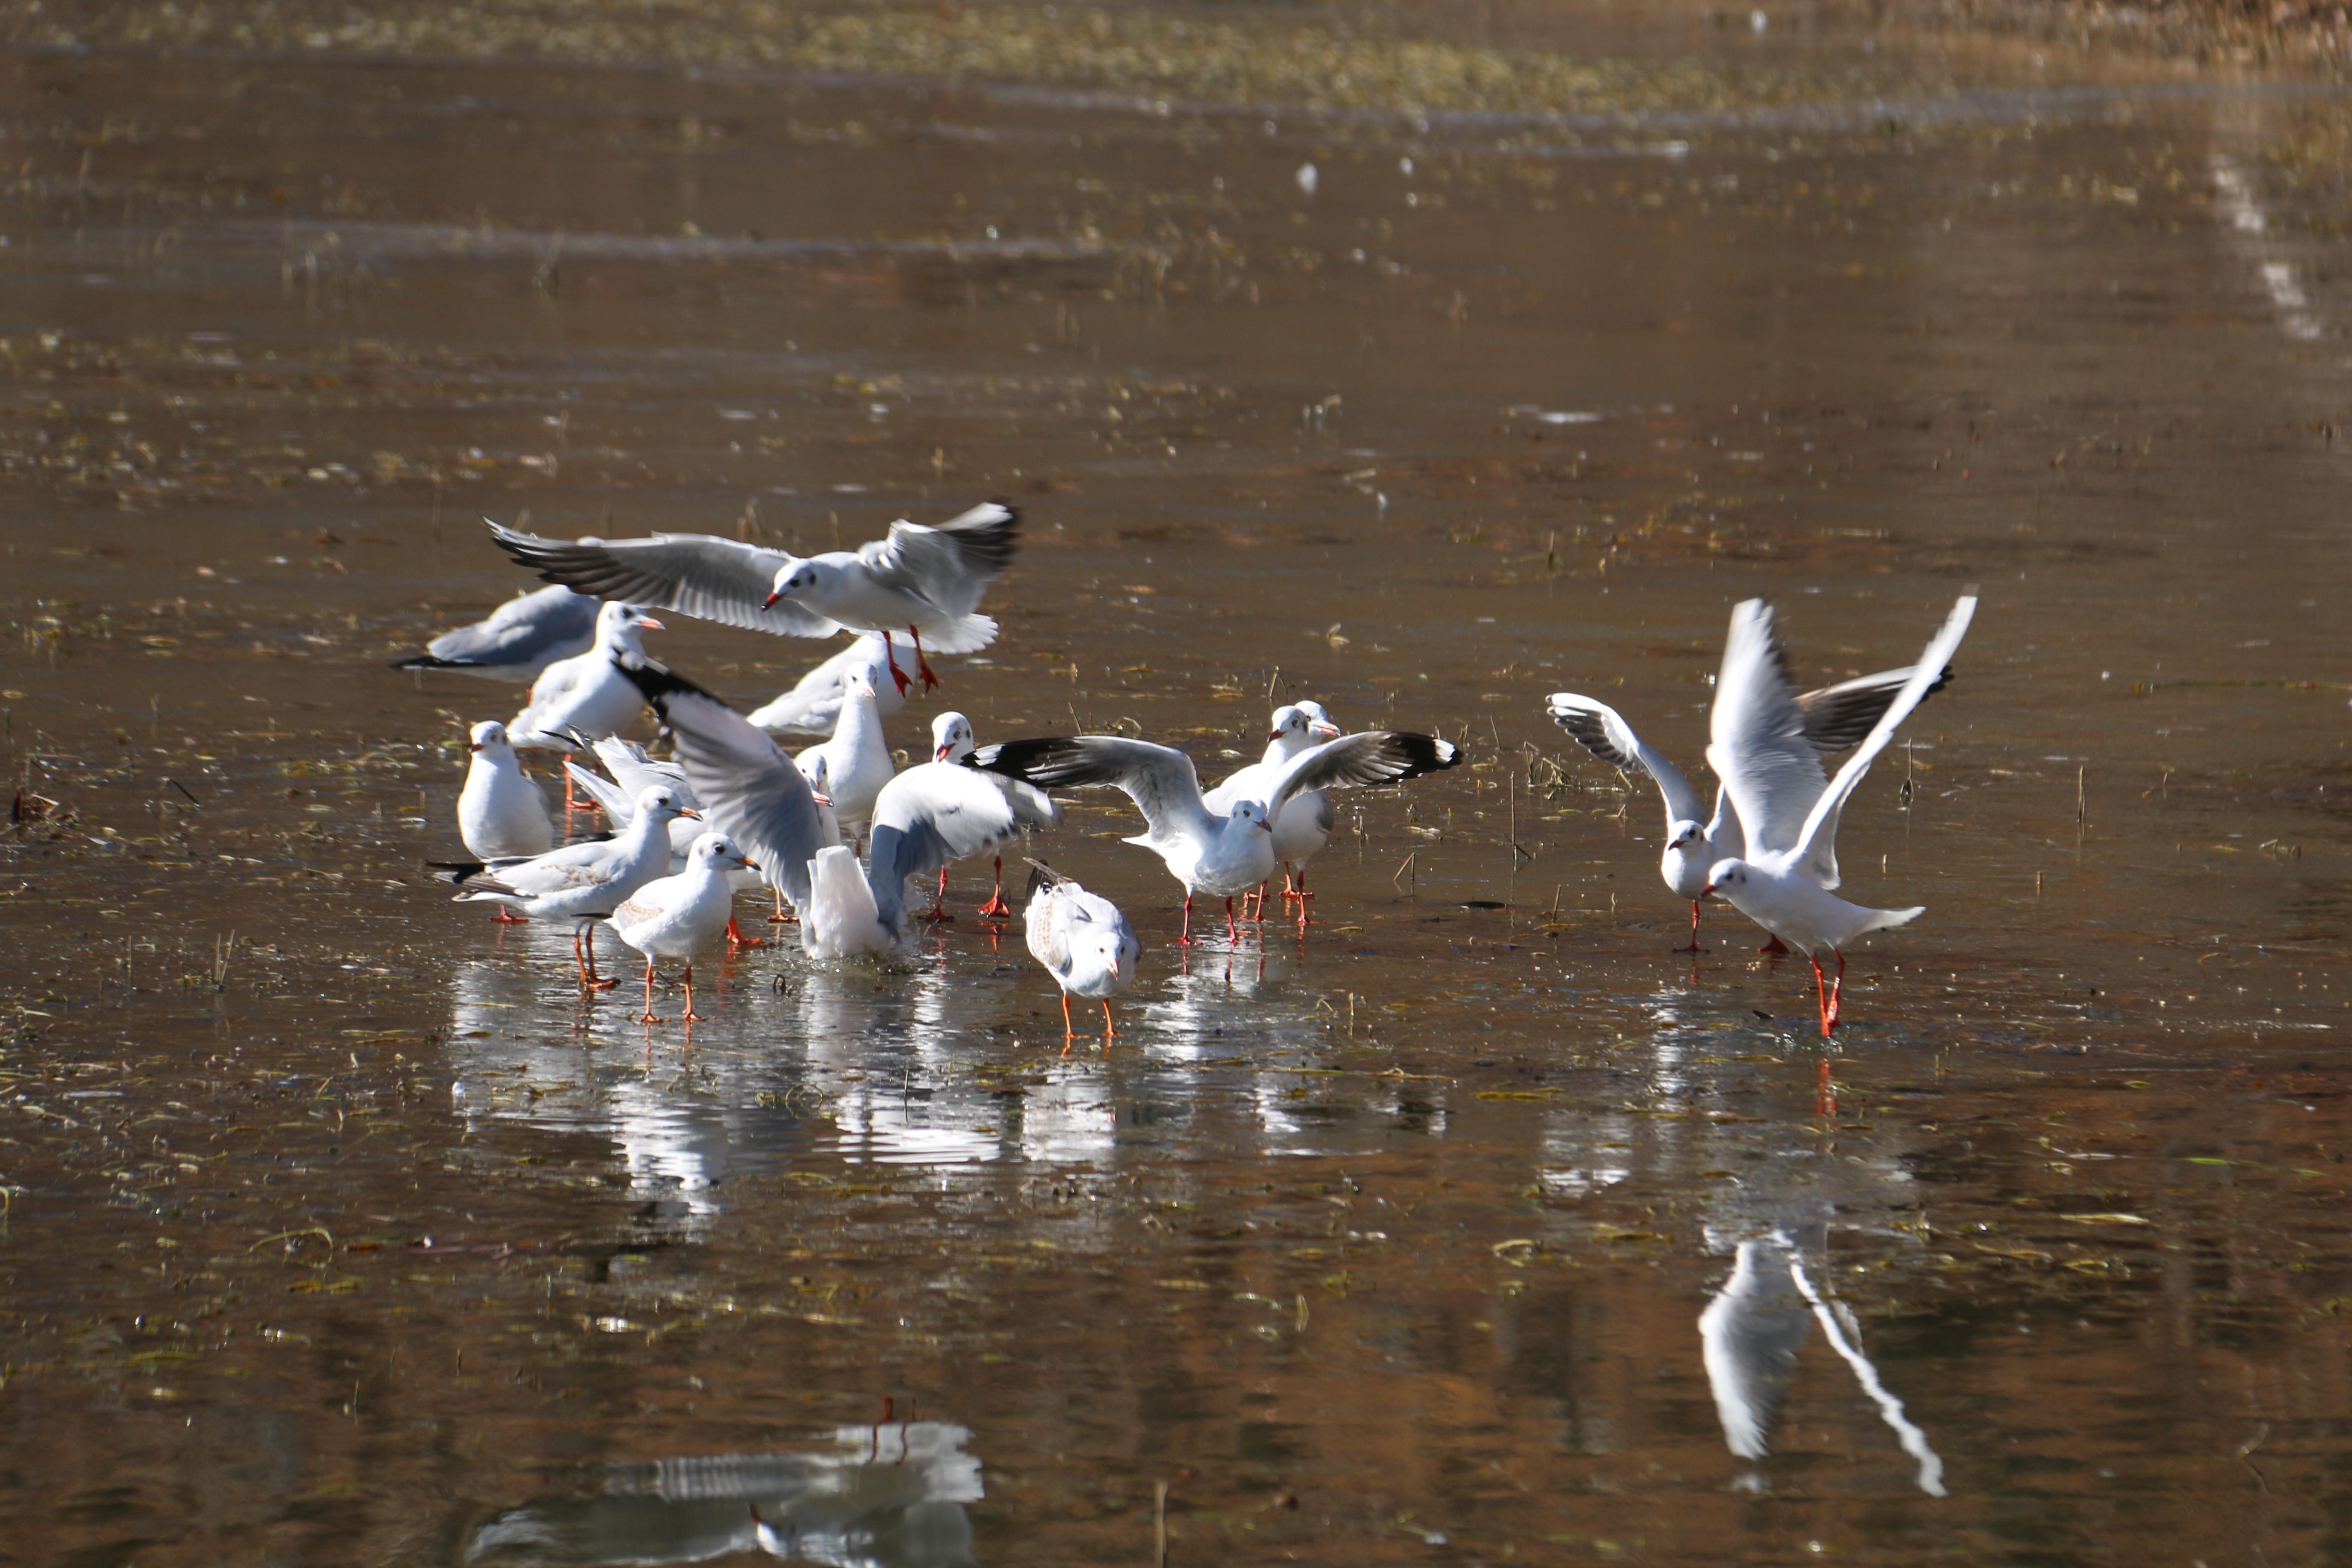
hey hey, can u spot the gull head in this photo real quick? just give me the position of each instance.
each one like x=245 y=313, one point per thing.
x=660 y=804
x=857 y=683
x=1727 y=878
x=1683 y=837
x=793 y=579
x=1287 y=721
x=1318 y=722
x=487 y=734
x=950 y=737
x=717 y=851
x=1251 y=814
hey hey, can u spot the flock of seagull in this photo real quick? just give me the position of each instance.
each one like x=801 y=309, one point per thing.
x=836 y=830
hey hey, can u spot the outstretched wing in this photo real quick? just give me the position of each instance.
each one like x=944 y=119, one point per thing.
x=1159 y=779
x=750 y=791
x=1836 y=717
x=1816 y=844
x=694 y=574
x=1602 y=731
x=928 y=815
x=1757 y=742
x=1373 y=757
x=948 y=563
x=531 y=629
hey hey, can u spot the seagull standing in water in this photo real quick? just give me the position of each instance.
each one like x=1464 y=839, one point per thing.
x=679 y=916
x=502 y=812
x=924 y=581
x=1221 y=856
x=1083 y=941
x=1303 y=824
x=952 y=742
x=517 y=640
x=813 y=706
x=588 y=696
x=1828 y=720
x=1788 y=889
x=856 y=760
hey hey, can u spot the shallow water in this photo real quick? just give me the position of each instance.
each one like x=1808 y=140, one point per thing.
x=339 y=1227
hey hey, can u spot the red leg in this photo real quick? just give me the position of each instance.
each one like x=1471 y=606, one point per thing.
x=1184 y=937
x=1693 y=946
x=1069 y=1030
x=996 y=909
x=922 y=666
x=573 y=802
x=780 y=918
x=1774 y=946
x=890 y=654
x=503 y=918
x=938 y=900
x=1837 y=996
x=1257 y=912
x=735 y=937
x=577 y=961
x=1821 y=995
x=690 y=1015
x=1233 y=931
x=1110 y=1031
x=1302 y=895
x=647 y=1015
x=595 y=979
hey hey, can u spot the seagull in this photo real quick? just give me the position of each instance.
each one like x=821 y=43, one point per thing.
x=812 y=706
x=519 y=638
x=580 y=882
x=1785 y=880
x=1304 y=825
x=500 y=811
x=952 y=742
x=856 y=759
x=1083 y=941
x=634 y=773
x=928 y=815
x=589 y=695
x=924 y=580
x=1830 y=720
x=677 y=917
x=1222 y=855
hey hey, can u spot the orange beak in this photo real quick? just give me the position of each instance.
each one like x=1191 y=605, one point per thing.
x=689 y=811
x=769 y=602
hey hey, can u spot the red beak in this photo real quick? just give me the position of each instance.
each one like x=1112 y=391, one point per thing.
x=941 y=755
x=1706 y=890
x=1320 y=728
x=689 y=811
x=473 y=748
x=769 y=602
x=823 y=800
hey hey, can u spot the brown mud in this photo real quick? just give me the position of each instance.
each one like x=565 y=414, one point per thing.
x=339 y=1227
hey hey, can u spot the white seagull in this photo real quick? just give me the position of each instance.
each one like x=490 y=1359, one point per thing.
x=1304 y=825
x=580 y=882
x=678 y=917
x=1830 y=720
x=813 y=707
x=928 y=815
x=590 y=695
x=518 y=639
x=1083 y=941
x=1784 y=881
x=924 y=581
x=1221 y=856
x=501 y=811
x=856 y=759
x=952 y=742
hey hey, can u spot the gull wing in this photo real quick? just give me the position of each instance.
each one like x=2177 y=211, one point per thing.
x=1159 y=779
x=1757 y=742
x=694 y=574
x=1816 y=851
x=1838 y=716
x=538 y=627
x=1371 y=757
x=1602 y=731
x=749 y=790
x=947 y=563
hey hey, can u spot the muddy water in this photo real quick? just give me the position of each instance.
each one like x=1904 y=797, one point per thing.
x=339 y=1227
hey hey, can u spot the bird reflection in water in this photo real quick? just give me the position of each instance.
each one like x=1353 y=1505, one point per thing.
x=1751 y=1334
x=891 y=1496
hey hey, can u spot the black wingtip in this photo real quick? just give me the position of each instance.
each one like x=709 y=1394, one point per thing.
x=1017 y=759
x=656 y=682
x=456 y=872
x=1425 y=754
x=1040 y=876
x=429 y=661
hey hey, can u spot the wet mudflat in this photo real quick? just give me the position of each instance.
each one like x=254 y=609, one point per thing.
x=339 y=1227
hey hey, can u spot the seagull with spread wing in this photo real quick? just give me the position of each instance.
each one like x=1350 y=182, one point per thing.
x=517 y=640
x=1785 y=881
x=1806 y=727
x=1221 y=856
x=925 y=581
